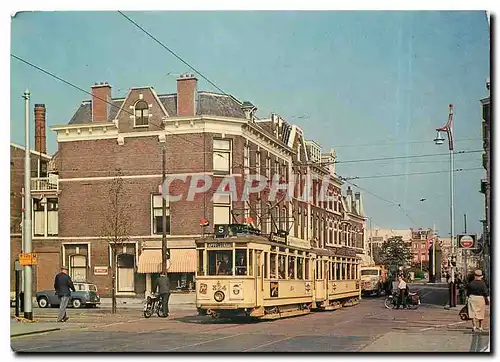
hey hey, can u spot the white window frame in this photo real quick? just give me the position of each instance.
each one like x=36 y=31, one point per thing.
x=222 y=152
x=143 y=116
x=268 y=168
x=257 y=162
x=246 y=159
x=153 y=208
x=222 y=201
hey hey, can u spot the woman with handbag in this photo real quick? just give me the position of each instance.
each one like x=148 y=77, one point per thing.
x=477 y=292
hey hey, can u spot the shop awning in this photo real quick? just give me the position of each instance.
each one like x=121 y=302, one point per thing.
x=181 y=261
x=149 y=261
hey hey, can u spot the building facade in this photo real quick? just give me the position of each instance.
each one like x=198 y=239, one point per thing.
x=44 y=203
x=486 y=182
x=206 y=137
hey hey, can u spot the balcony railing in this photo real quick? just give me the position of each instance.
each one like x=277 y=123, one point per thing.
x=44 y=183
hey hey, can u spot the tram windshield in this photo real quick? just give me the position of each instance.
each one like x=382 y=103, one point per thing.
x=220 y=262
x=369 y=272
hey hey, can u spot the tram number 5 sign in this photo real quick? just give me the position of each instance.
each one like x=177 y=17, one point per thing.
x=466 y=241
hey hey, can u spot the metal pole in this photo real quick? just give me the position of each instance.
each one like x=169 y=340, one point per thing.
x=371 y=241
x=164 y=254
x=452 y=215
x=434 y=241
x=28 y=313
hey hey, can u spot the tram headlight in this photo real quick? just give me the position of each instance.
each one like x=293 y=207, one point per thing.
x=219 y=296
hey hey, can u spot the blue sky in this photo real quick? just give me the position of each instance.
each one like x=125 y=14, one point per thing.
x=373 y=84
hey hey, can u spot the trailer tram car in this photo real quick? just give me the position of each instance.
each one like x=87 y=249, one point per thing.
x=242 y=273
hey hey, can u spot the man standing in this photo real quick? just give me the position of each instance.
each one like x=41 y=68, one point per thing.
x=163 y=285
x=63 y=286
x=402 y=288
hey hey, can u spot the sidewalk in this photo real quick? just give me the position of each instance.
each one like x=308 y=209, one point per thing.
x=18 y=329
x=419 y=342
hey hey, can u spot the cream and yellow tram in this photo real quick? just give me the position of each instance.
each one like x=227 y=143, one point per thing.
x=268 y=278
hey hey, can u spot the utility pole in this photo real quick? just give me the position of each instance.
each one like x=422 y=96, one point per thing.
x=28 y=303
x=434 y=241
x=465 y=251
x=371 y=241
x=164 y=254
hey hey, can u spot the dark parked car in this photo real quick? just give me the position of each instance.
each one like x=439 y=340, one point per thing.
x=85 y=295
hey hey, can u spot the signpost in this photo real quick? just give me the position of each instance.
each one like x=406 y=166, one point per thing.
x=28 y=259
x=466 y=241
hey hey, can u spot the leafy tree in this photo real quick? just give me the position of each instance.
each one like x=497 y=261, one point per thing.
x=116 y=225
x=395 y=253
x=377 y=255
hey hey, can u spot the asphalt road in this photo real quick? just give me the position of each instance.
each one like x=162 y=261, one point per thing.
x=366 y=327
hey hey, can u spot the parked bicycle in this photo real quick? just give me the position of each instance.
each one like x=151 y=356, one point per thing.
x=412 y=301
x=153 y=305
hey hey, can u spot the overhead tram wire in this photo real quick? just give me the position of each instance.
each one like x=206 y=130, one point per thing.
x=401 y=142
x=410 y=174
x=177 y=56
x=379 y=197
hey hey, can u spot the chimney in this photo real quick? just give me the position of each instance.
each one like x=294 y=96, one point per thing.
x=349 y=198
x=357 y=197
x=101 y=98
x=40 y=136
x=187 y=85
x=249 y=109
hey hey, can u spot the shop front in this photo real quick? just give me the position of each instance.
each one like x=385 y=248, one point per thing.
x=181 y=271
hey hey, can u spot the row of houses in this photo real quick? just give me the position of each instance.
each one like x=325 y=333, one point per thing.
x=202 y=134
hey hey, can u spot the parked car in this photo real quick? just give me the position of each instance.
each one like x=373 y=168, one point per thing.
x=85 y=295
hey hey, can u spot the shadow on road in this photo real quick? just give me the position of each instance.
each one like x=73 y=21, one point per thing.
x=197 y=319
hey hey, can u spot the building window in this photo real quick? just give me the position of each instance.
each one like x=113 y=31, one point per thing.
x=257 y=162
x=222 y=209
x=222 y=156
x=268 y=168
x=246 y=160
x=141 y=113
x=157 y=216
x=78 y=268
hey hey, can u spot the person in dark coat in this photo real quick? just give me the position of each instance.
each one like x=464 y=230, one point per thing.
x=63 y=285
x=163 y=286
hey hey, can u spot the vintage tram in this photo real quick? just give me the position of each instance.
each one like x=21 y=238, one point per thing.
x=242 y=273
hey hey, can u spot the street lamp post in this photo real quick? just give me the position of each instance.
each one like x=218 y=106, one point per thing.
x=439 y=140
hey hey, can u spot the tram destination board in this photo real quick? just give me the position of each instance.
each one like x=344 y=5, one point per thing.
x=220 y=244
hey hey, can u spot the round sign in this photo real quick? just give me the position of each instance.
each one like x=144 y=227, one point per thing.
x=466 y=241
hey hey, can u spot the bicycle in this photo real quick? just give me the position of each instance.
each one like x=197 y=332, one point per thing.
x=153 y=305
x=412 y=301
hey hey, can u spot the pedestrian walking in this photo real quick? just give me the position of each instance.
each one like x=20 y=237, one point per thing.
x=63 y=285
x=477 y=292
x=163 y=286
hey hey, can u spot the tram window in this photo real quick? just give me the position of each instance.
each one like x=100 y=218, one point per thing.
x=338 y=268
x=241 y=262
x=300 y=268
x=281 y=266
x=201 y=271
x=353 y=275
x=331 y=271
x=348 y=270
x=220 y=262
x=291 y=267
x=272 y=261
x=306 y=266
x=266 y=271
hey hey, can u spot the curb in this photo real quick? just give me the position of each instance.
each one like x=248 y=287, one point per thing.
x=35 y=332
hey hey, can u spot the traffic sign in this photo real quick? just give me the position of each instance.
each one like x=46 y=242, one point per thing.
x=467 y=241
x=27 y=259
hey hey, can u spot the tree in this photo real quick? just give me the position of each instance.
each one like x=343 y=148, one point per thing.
x=116 y=225
x=395 y=253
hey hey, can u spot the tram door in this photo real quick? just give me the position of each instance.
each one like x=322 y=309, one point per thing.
x=259 y=278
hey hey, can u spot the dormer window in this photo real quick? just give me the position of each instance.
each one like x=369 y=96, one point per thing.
x=141 y=114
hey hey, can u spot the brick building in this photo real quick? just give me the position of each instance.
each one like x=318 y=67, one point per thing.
x=204 y=134
x=44 y=203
